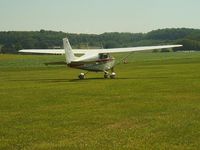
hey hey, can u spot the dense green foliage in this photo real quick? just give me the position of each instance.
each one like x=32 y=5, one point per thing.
x=13 y=41
x=153 y=103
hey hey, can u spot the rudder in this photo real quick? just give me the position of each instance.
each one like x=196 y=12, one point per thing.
x=68 y=51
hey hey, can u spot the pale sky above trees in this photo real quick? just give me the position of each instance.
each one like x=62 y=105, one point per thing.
x=98 y=16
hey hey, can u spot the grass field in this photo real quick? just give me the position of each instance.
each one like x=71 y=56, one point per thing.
x=153 y=104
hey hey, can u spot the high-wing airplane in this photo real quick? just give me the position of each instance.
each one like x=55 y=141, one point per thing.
x=96 y=60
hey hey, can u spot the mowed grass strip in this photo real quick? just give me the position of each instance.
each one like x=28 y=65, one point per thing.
x=153 y=104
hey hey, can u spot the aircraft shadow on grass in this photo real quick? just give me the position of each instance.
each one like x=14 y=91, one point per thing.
x=87 y=79
x=64 y=80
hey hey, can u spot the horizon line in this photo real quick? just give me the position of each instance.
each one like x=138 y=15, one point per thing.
x=97 y=33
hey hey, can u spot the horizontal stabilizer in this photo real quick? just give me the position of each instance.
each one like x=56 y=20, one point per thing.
x=56 y=63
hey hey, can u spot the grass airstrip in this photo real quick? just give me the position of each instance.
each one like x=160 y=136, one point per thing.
x=154 y=103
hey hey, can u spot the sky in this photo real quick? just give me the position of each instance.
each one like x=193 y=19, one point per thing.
x=98 y=16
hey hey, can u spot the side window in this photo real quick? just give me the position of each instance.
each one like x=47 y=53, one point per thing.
x=103 y=56
x=100 y=56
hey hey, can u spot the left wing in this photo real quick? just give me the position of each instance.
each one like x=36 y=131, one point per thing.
x=131 y=49
x=99 y=51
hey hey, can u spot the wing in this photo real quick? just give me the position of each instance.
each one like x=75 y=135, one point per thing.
x=99 y=51
x=43 y=51
x=133 y=49
x=123 y=50
x=52 y=51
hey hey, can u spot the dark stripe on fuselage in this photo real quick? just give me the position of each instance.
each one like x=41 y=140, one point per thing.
x=81 y=65
x=89 y=62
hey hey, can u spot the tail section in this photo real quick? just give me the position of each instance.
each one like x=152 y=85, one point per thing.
x=68 y=51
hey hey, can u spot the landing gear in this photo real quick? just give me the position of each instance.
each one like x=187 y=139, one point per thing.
x=81 y=76
x=113 y=75
x=107 y=75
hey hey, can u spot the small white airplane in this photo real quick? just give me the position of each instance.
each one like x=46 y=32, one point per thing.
x=96 y=60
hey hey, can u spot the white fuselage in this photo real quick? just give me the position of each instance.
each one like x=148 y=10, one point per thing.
x=100 y=62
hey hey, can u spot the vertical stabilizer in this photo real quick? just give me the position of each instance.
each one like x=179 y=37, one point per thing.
x=68 y=51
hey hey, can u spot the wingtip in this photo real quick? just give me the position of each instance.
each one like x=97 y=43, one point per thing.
x=179 y=45
x=20 y=51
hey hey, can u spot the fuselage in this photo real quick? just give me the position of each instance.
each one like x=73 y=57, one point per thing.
x=99 y=63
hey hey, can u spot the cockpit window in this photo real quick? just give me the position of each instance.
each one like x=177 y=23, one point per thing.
x=103 y=56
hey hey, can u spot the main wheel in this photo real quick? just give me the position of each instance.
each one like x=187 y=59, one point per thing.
x=81 y=76
x=113 y=75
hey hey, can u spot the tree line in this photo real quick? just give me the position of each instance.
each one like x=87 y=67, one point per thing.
x=12 y=41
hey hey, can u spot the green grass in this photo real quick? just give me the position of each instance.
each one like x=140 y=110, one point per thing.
x=153 y=104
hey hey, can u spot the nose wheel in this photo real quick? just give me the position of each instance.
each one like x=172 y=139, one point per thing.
x=106 y=75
